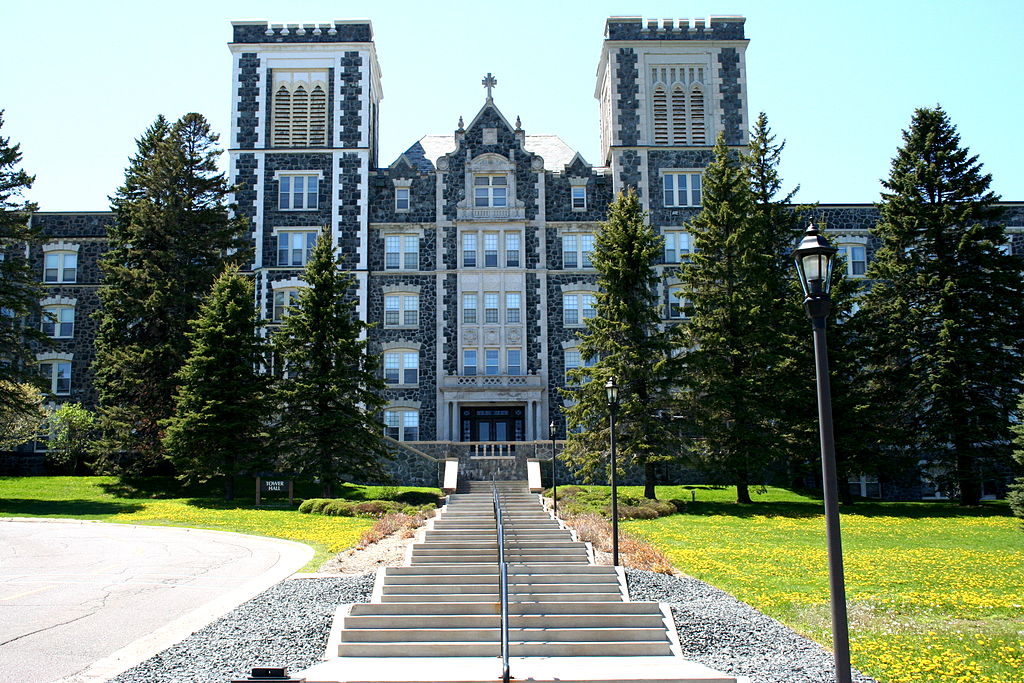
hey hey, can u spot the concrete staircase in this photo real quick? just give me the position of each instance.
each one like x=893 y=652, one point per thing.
x=445 y=604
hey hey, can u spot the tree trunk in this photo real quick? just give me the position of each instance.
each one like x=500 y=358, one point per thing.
x=650 y=481
x=743 y=492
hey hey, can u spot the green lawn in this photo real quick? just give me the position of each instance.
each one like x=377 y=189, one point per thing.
x=165 y=502
x=936 y=593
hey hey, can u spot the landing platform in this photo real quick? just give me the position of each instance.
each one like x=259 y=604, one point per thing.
x=523 y=669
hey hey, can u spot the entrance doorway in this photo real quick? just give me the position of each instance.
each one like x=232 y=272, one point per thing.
x=493 y=423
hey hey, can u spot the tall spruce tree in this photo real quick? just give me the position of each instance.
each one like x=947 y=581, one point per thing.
x=19 y=289
x=627 y=341
x=947 y=306
x=222 y=407
x=732 y=358
x=173 y=233
x=330 y=391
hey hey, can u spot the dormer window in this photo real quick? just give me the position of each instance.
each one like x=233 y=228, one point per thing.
x=402 y=194
x=490 y=191
x=579 y=198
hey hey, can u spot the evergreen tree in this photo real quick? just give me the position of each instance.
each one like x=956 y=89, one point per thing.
x=947 y=307
x=1016 y=494
x=19 y=288
x=173 y=233
x=330 y=392
x=222 y=407
x=626 y=339
x=732 y=359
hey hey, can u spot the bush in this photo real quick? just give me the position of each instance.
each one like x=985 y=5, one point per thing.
x=376 y=508
x=1016 y=497
x=336 y=507
x=638 y=512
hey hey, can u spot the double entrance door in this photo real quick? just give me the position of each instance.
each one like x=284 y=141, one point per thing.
x=493 y=423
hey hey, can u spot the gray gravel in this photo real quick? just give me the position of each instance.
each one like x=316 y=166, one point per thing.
x=719 y=631
x=287 y=625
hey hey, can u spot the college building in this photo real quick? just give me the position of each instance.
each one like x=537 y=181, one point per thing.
x=471 y=250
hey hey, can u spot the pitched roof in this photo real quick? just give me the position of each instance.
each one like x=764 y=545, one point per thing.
x=425 y=153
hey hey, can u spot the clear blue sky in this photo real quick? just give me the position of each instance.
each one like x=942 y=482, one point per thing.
x=839 y=81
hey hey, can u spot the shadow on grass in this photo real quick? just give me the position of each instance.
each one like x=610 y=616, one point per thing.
x=13 y=507
x=796 y=510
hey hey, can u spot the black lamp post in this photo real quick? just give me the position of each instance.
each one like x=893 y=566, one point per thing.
x=815 y=258
x=612 y=391
x=554 y=482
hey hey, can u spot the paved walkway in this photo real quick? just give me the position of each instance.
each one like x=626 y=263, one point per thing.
x=82 y=601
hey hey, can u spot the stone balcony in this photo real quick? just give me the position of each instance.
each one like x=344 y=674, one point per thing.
x=491 y=213
x=490 y=381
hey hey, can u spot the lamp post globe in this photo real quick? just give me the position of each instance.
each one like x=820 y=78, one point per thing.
x=612 y=393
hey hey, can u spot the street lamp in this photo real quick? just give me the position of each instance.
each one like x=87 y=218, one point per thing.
x=554 y=483
x=815 y=258
x=612 y=391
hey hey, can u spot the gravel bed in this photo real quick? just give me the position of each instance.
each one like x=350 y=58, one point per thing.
x=286 y=625
x=730 y=636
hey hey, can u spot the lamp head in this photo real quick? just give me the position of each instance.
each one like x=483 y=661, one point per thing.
x=612 y=391
x=814 y=259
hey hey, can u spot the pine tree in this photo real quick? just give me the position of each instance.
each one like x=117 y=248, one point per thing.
x=626 y=339
x=948 y=304
x=732 y=359
x=330 y=392
x=173 y=233
x=19 y=288
x=222 y=407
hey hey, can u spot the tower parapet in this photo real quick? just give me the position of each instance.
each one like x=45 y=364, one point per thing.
x=339 y=31
x=714 y=28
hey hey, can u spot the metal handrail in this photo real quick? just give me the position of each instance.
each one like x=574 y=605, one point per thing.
x=502 y=582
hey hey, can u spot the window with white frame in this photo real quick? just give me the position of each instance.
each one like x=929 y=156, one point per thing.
x=512 y=241
x=469 y=250
x=490 y=250
x=59 y=321
x=677 y=246
x=492 y=362
x=299 y=109
x=490 y=190
x=574 y=360
x=469 y=362
x=579 y=197
x=469 y=300
x=402 y=424
x=856 y=259
x=679 y=305
x=401 y=310
x=402 y=367
x=578 y=307
x=57 y=373
x=491 y=308
x=681 y=188
x=298 y=192
x=401 y=199
x=284 y=299
x=294 y=247
x=513 y=307
x=60 y=267
x=514 y=361
x=401 y=252
x=576 y=250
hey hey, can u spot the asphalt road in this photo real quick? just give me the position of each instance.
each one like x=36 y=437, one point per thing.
x=83 y=601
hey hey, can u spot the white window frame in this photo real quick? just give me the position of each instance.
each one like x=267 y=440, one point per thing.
x=492 y=361
x=399 y=424
x=678 y=246
x=492 y=249
x=284 y=299
x=57 y=369
x=469 y=355
x=513 y=308
x=576 y=250
x=469 y=247
x=62 y=272
x=490 y=190
x=514 y=362
x=574 y=308
x=847 y=249
x=578 y=197
x=573 y=359
x=286 y=193
x=674 y=196
x=401 y=309
x=678 y=304
x=403 y=195
x=492 y=308
x=470 y=313
x=54 y=324
x=405 y=364
x=513 y=249
x=407 y=256
x=309 y=234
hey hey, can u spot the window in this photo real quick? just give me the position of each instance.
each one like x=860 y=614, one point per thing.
x=677 y=247
x=284 y=299
x=578 y=307
x=490 y=190
x=401 y=199
x=512 y=249
x=58 y=374
x=59 y=321
x=401 y=310
x=401 y=367
x=1006 y=248
x=856 y=259
x=512 y=307
x=681 y=189
x=679 y=306
x=579 y=198
x=573 y=360
x=514 y=362
x=469 y=308
x=401 y=252
x=677 y=104
x=491 y=308
x=402 y=424
x=298 y=192
x=576 y=250
x=469 y=362
x=294 y=248
x=299 y=110
x=490 y=249
x=60 y=266
x=491 y=362
x=469 y=250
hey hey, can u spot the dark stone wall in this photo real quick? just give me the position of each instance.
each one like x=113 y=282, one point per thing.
x=732 y=95
x=450 y=321
x=558 y=333
x=311 y=33
x=247 y=92
x=628 y=106
x=422 y=196
x=629 y=173
x=657 y=160
x=352 y=93
x=633 y=28
x=558 y=197
x=274 y=217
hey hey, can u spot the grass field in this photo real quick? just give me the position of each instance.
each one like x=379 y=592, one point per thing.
x=161 y=501
x=936 y=593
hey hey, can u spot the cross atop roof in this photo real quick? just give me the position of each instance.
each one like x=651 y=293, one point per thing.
x=489 y=82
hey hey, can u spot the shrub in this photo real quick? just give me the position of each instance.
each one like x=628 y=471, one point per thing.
x=306 y=506
x=638 y=512
x=1016 y=497
x=376 y=508
x=339 y=508
x=633 y=552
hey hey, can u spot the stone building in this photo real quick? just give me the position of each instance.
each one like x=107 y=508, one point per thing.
x=471 y=250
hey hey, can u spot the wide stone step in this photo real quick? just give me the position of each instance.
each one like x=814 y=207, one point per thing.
x=516 y=649
x=488 y=579
x=576 y=607
x=405 y=621
x=492 y=587
x=524 y=635
x=513 y=570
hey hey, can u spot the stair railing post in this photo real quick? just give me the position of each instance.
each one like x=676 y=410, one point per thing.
x=502 y=583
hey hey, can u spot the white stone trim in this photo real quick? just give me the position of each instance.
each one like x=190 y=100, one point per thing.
x=60 y=245
x=367 y=91
x=261 y=97
x=364 y=211
x=400 y=345
x=290 y=283
x=336 y=159
x=55 y=356
x=400 y=289
x=404 y=405
x=645 y=184
x=236 y=74
x=59 y=301
x=569 y=288
x=258 y=228
x=278 y=174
